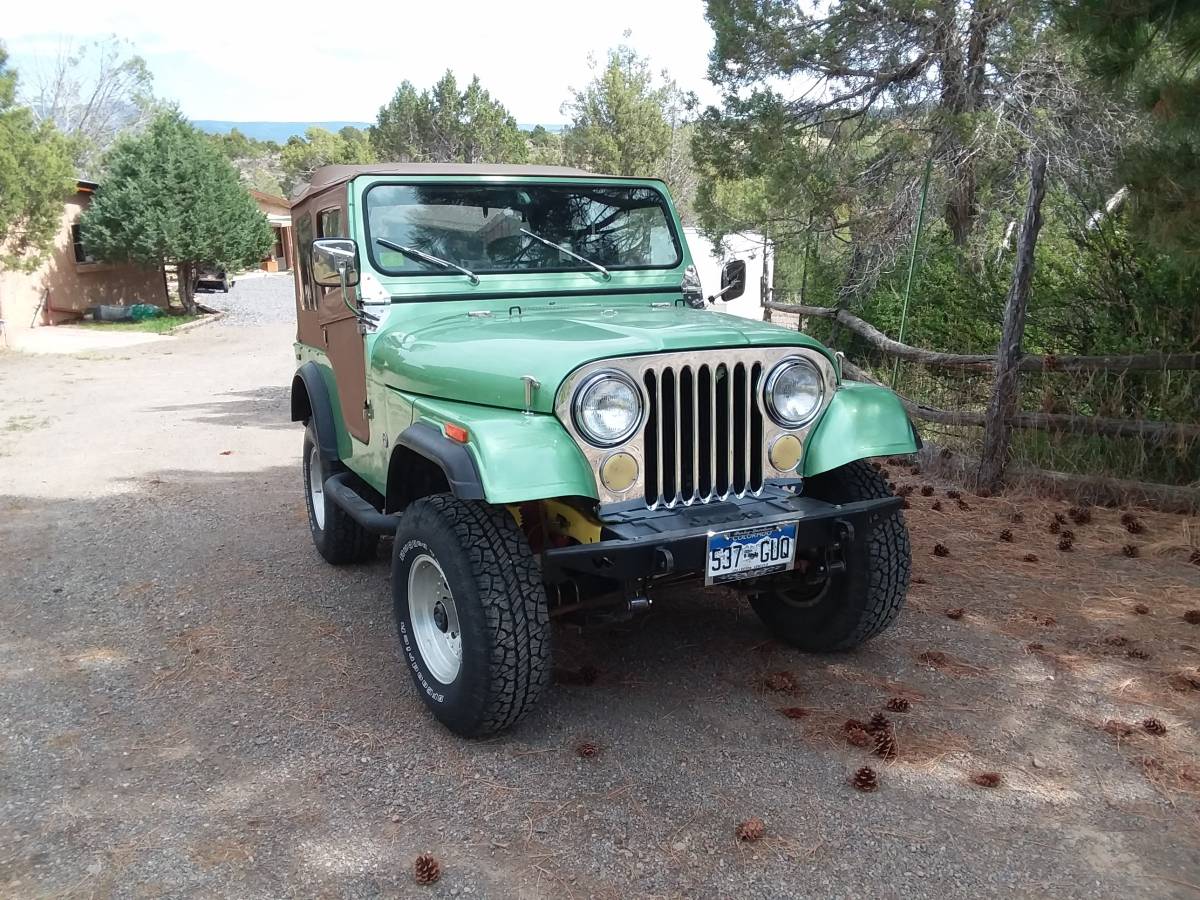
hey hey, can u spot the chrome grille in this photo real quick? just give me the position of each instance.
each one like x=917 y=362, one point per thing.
x=703 y=436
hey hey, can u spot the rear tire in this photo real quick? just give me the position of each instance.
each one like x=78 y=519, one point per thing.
x=855 y=606
x=338 y=538
x=471 y=613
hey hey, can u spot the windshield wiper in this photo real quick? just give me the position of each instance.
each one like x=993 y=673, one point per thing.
x=428 y=257
x=559 y=247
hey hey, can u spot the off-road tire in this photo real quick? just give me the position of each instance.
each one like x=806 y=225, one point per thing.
x=501 y=608
x=341 y=540
x=860 y=603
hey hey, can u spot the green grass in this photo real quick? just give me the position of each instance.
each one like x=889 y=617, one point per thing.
x=160 y=325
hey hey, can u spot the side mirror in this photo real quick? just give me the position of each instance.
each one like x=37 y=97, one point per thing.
x=335 y=259
x=733 y=280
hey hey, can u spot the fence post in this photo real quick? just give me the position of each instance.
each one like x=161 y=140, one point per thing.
x=1006 y=389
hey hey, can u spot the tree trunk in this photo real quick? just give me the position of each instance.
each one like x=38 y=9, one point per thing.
x=1002 y=405
x=186 y=288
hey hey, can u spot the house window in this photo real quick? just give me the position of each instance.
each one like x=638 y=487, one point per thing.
x=81 y=255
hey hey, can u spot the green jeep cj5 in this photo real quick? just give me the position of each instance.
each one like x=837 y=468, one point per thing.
x=511 y=371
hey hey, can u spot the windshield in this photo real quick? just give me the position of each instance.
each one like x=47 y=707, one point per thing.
x=510 y=228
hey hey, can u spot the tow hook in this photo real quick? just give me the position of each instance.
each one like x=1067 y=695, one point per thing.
x=835 y=562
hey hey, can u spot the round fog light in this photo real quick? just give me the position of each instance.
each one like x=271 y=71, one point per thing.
x=785 y=452
x=619 y=472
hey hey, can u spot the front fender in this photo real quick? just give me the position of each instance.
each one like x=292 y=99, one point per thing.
x=862 y=420
x=518 y=456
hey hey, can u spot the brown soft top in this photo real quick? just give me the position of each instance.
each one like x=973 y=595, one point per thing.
x=328 y=176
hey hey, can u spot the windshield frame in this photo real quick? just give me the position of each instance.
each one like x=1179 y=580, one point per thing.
x=664 y=204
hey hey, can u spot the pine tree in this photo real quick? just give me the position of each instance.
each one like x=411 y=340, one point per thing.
x=619 y=122
x=1150 y=50
x=171 y=197
x=447 y=125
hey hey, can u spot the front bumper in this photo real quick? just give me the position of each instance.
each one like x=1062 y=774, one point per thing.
x=644 y=543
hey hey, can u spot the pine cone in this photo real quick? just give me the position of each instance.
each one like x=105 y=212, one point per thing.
x=953 y=495
x=781 y=683
x=1066 y=545
x=865 y=779
x=956 y=612
x=1117 y=640
x=858 y=737
x=751 y=830
x=1068 y=534
x=1017 y=518
x=963 y=504
x=1060 y=518
x=986 y=779
x=1135 y=653
x=794 y=712
x=899 y=704
x=937 y=504
x=904 y=490
x=1130 y=550
x=885 y=745
x=426 y=869
x=1030 y=557
x=927 y=490
x=1080 y=515
x=879 y=722
x=1117 y=728
x=1054 y=527
x=1132 y=523
x=941 y=550
x=915 y=470
x=1153 y=726
x=1141 y=609
x=1006 y=535
x=587 y=750
x=1192 y=617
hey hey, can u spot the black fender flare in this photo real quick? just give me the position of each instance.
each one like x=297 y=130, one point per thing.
x=310 y=400
x=449 y=456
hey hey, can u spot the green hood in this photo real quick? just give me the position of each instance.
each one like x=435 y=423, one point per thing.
x=421 y=353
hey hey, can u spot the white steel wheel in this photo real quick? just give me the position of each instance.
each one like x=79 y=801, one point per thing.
x=316 y=486
x=434 y=619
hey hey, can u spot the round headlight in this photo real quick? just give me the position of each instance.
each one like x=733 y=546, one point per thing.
x=794 y=391
x=608 y=409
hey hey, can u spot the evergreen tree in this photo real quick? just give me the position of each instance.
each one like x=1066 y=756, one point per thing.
x=1150 y=51
x=170 y=197
x=35 y=179
x=446 y=125
x=619 y=123
x=301 y=156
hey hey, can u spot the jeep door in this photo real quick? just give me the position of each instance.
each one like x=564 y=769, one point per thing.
x=343 y=340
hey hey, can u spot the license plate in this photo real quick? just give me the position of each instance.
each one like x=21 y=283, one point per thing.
x=750 y=552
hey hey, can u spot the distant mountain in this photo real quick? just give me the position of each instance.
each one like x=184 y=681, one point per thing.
x=278 y=132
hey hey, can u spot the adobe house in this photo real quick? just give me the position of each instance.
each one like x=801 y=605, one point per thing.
x=69 y=282
x=279 y=213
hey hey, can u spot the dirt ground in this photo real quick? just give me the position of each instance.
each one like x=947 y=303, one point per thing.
x=193 y=704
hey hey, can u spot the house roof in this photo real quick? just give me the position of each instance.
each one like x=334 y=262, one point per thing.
x=328 y=176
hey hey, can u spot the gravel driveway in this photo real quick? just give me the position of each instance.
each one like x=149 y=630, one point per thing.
x=193 y=704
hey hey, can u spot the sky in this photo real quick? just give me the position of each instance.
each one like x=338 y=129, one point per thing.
x=315 y=61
